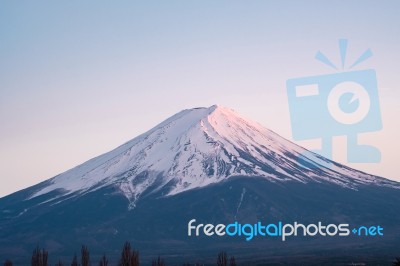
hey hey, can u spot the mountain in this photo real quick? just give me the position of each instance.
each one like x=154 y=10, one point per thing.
x=196 y=148
x=210 y=164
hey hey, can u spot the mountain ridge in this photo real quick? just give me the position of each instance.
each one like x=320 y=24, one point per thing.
x=198 y=147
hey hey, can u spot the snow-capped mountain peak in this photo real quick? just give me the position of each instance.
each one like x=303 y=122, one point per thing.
x=198 y=147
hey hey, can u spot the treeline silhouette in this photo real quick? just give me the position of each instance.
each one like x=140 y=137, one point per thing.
x=129 y=257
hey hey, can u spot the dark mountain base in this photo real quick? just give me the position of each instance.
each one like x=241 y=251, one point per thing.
x=158 y=226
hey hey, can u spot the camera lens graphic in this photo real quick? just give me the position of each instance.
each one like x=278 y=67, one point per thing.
x=348 y=103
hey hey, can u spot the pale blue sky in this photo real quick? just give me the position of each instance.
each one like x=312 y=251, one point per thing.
x=80 y=78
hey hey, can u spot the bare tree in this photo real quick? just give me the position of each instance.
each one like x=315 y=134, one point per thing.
x=8 y=263
x=222 y=259
x=59 y=263
x=75 y=261
x=85 y=258
x=129 y=257
x=125 y=254
x=103 y=261
x=158 y=262
x=135 y=258
x=232 y=261
x=39 y=257
x=396 y=262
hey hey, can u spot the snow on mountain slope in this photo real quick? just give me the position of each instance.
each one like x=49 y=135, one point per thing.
x=198 y=147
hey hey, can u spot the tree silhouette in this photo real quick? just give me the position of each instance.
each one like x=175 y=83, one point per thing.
x=103 y=261
x=232 y=261
x=397 y=262
x=129 y=257
x=135 y=258
x=85 y=258
x=75 y=261
x=8 y=263
x=39 y=257
x=222 y=259
x=158 y=262
x=125 y=255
